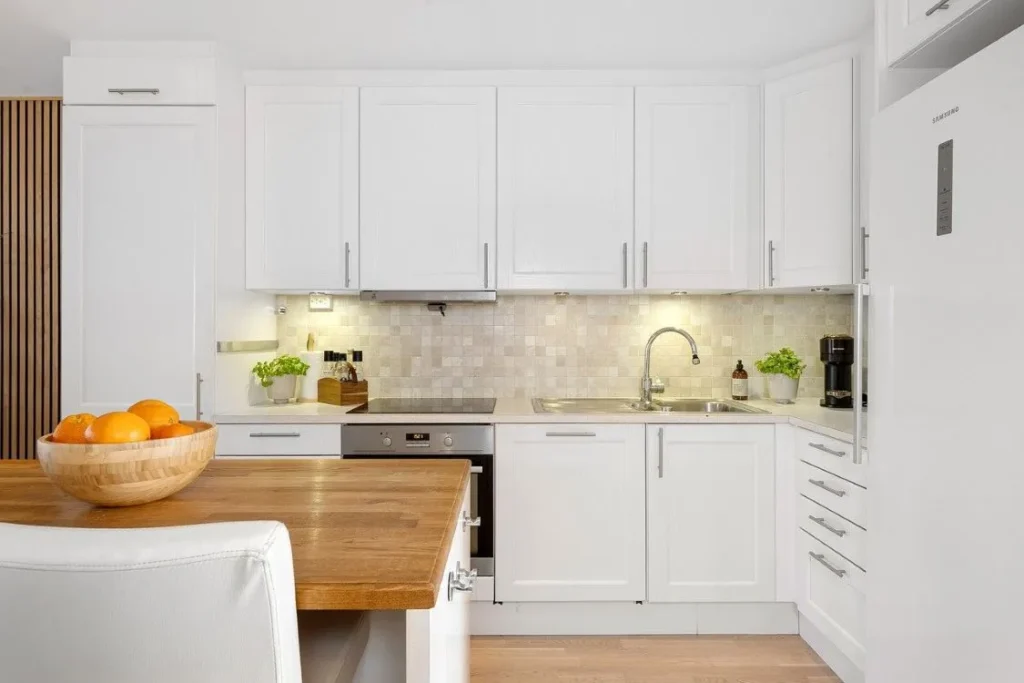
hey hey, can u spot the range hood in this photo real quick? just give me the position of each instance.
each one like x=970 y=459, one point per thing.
x=481 y=296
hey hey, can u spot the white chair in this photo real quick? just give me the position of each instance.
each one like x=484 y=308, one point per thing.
x=210 y=602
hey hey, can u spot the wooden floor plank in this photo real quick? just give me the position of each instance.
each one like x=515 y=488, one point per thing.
x=647 y=659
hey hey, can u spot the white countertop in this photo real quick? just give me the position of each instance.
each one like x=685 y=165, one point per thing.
x=805 y=413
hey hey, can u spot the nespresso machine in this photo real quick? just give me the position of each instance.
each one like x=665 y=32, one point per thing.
x=837 y=355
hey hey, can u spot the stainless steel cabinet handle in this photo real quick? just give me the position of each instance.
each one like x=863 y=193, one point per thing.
x=476 y=469
x=199 y=396
x=468 y=521
x=625 y=265
x=771 y=263
x=820 y=521
x=645 y=264
x=274 y=435
x=487 y=263
x=461 y=580
x=348 y=279
x=835 y=570
x=939 y=5
x=133 y=91
x=864 y=253
x=822 y=485
x=822 y=447
x=576 y=434
x=661 y=452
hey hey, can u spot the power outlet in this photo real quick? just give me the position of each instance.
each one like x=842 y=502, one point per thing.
x=321 y=302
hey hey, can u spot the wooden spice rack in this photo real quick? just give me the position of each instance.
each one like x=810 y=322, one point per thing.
x=338 y=393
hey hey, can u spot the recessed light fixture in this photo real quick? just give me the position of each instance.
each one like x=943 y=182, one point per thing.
x=561 y=295
x=678 y=293
x=821 y=290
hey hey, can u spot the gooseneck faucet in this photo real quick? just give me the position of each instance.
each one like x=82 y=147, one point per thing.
x=647 y=385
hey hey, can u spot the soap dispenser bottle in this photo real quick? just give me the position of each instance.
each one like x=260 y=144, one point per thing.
x=740 y=383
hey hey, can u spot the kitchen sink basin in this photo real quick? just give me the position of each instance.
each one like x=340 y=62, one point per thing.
x=608 y=406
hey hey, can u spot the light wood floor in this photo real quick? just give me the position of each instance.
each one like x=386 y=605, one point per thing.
x=647 y=659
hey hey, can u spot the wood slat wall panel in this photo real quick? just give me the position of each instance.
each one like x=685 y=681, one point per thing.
x=29 y=272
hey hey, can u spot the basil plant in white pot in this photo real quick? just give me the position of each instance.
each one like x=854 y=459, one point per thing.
x=279 y=376
x=783 y=369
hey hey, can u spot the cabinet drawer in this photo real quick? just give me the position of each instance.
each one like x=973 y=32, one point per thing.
x=97 y=80
x=832 y=492
x=831 y=455
x=279 y=439
x=832 y=595
x=833 y=530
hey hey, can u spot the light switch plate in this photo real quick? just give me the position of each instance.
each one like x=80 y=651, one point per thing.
x=320 y=302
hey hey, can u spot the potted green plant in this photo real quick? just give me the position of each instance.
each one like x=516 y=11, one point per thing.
x=279 y=375
x=783 y=369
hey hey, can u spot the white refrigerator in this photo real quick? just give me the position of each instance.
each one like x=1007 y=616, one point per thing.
x=946 y=472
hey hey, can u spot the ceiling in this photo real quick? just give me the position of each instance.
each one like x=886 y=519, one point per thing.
x=34 y=34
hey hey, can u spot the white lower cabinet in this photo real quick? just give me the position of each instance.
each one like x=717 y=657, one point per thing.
x=711 y=513
x=569 y=513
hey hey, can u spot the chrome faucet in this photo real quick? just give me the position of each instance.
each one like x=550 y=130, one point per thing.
x=649 y=386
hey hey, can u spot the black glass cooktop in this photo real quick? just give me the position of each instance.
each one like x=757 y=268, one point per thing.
x=403 y=406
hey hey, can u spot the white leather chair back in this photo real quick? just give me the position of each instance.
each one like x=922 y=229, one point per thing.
x=206 y=603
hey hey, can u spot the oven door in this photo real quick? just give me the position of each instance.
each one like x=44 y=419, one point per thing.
x=481 y=501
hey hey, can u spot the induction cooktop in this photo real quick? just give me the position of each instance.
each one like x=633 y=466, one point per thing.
x=405 y=406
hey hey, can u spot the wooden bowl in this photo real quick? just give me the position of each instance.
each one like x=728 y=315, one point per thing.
x=122 y=474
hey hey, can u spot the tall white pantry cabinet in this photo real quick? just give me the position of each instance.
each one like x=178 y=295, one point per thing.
x=138 y=215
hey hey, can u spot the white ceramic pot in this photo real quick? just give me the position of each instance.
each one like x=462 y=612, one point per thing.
x=782 y=389
x=282 y=389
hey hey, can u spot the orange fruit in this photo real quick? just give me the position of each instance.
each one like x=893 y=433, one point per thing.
x=72 y=428
x=117 y=428
x=156 y=413
x=171 y=431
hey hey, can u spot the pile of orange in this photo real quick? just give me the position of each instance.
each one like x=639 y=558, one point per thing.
x=145 y=420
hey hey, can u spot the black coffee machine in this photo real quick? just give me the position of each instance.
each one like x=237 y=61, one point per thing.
x=837 y=355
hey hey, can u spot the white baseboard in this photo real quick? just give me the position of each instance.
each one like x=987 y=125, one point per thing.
x=617 y=618
x=842 y=665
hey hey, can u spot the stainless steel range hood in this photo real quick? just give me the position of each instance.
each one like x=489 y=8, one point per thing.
x=482 y=296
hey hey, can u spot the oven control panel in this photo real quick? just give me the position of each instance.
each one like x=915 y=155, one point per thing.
x=417 y=440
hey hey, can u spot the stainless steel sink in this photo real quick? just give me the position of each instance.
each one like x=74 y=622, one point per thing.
x=607 y=406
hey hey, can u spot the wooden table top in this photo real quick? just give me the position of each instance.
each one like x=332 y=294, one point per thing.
x=366 y=534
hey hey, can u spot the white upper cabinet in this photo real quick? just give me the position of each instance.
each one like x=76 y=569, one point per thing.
x=427 y=188
x=302 y=188
x=569 y=513
x=138 y=214
x=809 y=178
x=696 y=188
x=565 y=188
x=941 y=34
x=711 y=513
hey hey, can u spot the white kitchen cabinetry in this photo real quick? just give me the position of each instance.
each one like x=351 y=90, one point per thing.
x=809 y=178
x=427 y=188
x=138 y=213
x=697 y=188
x=565 y=188
x=711 y=513
x=934 y=34
x=569 y=519
x=302 y=188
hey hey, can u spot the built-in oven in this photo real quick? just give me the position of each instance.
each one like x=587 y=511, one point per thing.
x=471 y=442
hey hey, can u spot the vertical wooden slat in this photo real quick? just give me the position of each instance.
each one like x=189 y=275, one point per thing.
x=29 y=272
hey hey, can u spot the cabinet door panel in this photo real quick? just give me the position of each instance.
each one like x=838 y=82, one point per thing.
x=570 y=513
x=565 y=186
x=696 y=193
x=137 y=246
x=808 y=194
x=427 y=171
x=302 y=188
x=711 y=507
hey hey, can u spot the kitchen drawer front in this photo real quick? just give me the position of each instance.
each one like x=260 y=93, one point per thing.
x=831 y=455
x=832 y=595
x=96 y=80
x=575 y=434
x=279 y=439
x=832 y=492
x=846 y=538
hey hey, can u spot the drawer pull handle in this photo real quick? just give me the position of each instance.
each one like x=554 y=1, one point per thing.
x=572 y=434
x=468 y=521
x=939 y=5
x=825 y=563
x=820 y=521
x=825 y=449
x=822 y=485
x=133 y=91
x=274 y=435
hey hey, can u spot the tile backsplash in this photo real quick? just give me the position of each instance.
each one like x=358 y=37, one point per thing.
x=581 y=346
